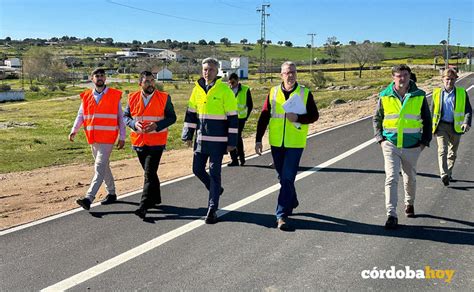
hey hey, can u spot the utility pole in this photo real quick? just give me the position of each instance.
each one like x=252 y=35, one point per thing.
x=263 y=57
x=311 y=59
x=446 y=65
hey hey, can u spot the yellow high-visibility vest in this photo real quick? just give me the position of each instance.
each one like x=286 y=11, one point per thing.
x=282 y=132
x=459 y=108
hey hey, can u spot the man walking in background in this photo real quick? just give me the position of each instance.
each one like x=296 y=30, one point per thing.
x=212 y=114
x=452 y=117
x=149 y=113
x=244 y=108
x=402 y=126
x=101 y=114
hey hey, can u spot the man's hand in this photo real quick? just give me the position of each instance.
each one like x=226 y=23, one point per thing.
x=465 y=128
x=120 y=144
x=150 y=128
x=292 y=117
x=138 y=126
x=72 y=136
x=230 y=148
x=258 y=148
x=189 y=143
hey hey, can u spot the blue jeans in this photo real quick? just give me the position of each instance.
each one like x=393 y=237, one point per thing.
x=286 y=162
x=212 y=181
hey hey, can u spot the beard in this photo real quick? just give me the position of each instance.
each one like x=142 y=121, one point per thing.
x=149 y=90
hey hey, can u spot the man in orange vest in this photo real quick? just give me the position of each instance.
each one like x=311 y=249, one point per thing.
x=101 y=114
x=149 y=113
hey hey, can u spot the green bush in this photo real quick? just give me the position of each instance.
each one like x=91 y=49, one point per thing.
x=34 y=88
x=52 y=87
x=62 y=87
x=319 y=80
x=5 y=87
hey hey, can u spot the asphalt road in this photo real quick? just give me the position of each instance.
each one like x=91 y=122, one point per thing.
x=339 y=230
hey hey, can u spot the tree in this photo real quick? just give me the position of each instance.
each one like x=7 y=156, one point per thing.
x=244 y=41
x=387 y=44
x=443 y=42
x=202 y=42
x=331 y=47
x=40 y=64
x=288 y=44
x=402 y=44
x=366 y=42
x=211 y=43
x=352 y=43
x=225 y=41
x=8 y=39
x=269 y=42
x=280 y=43
x=362 y=54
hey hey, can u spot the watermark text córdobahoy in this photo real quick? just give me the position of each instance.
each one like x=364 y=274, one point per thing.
x=408 y=273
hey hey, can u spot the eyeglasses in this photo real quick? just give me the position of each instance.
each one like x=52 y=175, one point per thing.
x=289 y=73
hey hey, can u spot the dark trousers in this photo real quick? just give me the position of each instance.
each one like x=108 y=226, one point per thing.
x=212 y=181
x=239 y=151
x=150 y=160
x=286 y=162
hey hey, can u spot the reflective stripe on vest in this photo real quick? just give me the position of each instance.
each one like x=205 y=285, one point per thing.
x=213 y=110
x=242 y=101
x=459 y=108
x=281 y=130
x=100 y=119
x=153 y=112
x=402 y=120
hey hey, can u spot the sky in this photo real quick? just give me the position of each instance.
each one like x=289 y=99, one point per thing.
x=410 y=21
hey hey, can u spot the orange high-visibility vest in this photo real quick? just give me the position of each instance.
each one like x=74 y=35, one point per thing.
x=153 y=112
x=100 y=119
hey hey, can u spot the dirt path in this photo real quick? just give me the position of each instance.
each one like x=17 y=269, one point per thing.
x=31 y=195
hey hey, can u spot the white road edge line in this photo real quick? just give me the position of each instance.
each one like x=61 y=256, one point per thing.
x=53 y=217
x=162 y=239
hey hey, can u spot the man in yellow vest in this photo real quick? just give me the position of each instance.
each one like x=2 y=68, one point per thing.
x=452 y=117
x=402 y=126
x=287 y=135
x=148 y=114
x=101 y=114
x=212 y=114
x=244 y=107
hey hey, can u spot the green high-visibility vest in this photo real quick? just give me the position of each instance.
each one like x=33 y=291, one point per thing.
x=402 y=124
x=242 y=101
x=459 y=108
x=282 y=131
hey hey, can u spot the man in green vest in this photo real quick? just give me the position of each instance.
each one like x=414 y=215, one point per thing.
x=452 y=117
x=287 y=134
x=402 y=126
x=244 y=108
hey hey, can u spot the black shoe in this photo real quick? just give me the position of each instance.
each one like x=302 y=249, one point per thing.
x=410 y=211
x=211 y=217
x=141 y=212
x=233 y=163
x=109 y=199
x=84 y=203
x=242 y=161
x=445 y=180
x=392 y=223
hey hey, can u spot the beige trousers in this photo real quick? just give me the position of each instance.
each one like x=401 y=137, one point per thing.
x=394 y=158
x=102 y=172
x=448 y=143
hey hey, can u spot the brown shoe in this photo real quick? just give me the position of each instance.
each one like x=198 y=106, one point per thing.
x=410 y=211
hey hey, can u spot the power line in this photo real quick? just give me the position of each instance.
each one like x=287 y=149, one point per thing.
x=180 y=17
